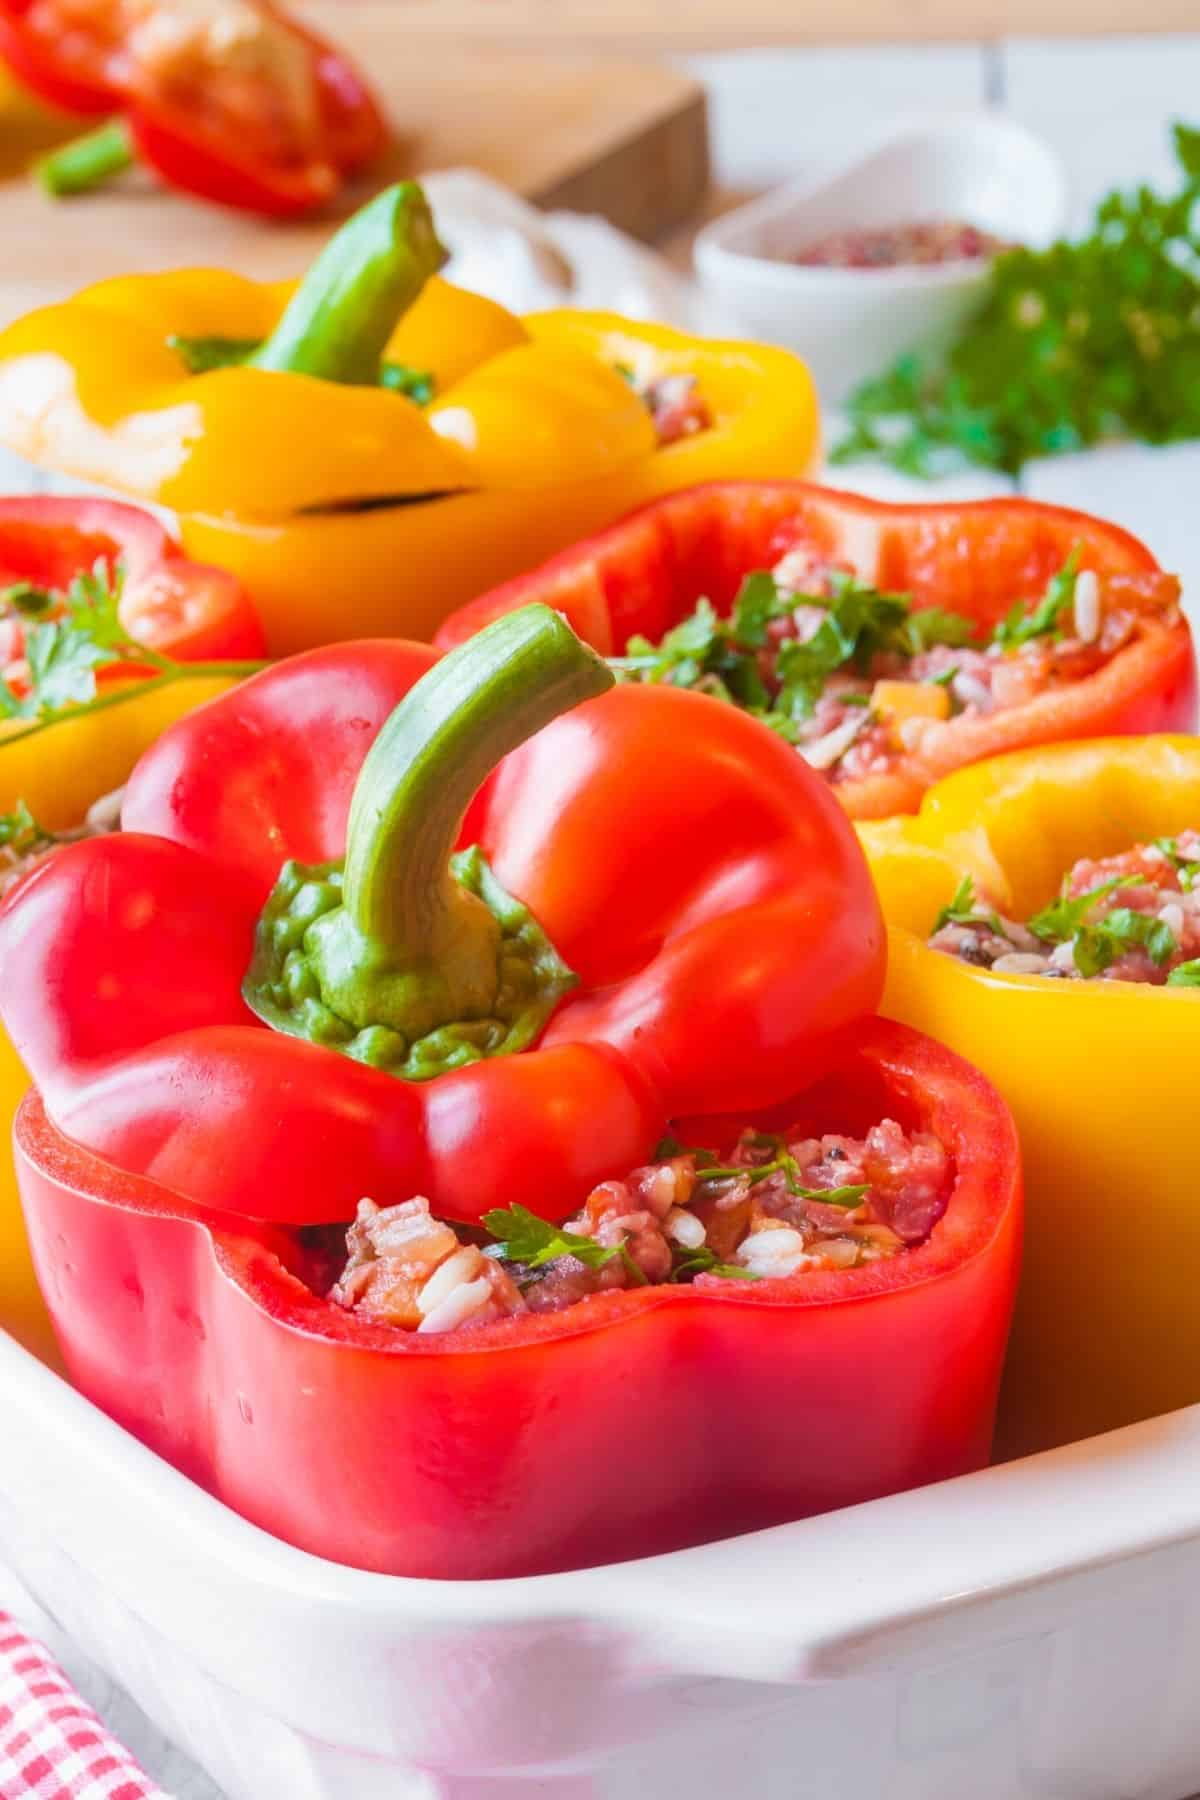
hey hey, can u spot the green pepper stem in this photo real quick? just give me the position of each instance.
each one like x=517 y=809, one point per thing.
x=471 y=709
x=338 y=322
x=87 y=162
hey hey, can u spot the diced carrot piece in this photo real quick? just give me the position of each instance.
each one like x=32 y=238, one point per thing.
x=896 y=701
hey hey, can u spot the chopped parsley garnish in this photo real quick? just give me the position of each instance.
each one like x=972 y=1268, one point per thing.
x=64 y=654
x=1186 y=975
x=20 y=832
x=1097 y=947
x=687 y=1264
x=720 y=656
x=1187 y=870
x=1045 y=619
x=780 y=1162
x=1059 y=922
x=930 y=625
x=964 y=909
x=723 y=656
x=533 y=1242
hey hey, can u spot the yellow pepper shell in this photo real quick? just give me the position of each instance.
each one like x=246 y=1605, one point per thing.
x=1101 y=1075
x=579 y=419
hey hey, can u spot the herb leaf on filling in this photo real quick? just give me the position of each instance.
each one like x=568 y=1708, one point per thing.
x=524 y=1238
x=1045 y=619
x=20 y=831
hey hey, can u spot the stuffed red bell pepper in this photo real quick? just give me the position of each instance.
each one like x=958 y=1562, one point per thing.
x=232 y=100
x=889 y=644
x=54 y=552
x=357 y=1048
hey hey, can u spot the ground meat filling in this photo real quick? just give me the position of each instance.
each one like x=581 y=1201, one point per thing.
x=856 y=678
x=779 y=1206
x=676 y=406
x=1132 y=917
x=24 y=843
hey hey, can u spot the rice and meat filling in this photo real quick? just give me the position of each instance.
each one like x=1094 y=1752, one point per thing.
x=857 y=679
x=1130 y=917
x=779 y=1206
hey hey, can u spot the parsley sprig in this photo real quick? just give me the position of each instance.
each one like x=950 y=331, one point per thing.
x=1045 y=619
x=1095 y=947
x=1078 y=343
x=1063 y=918
x=783 y=1163
x=524 y=1238
x=21 y=833
x=964 y=908
x=65 y=654
x=1187 y=869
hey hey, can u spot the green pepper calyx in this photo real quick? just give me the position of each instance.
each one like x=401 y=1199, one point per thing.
x=405 y=956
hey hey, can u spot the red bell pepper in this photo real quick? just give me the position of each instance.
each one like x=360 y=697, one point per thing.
x=183 y=609
x=266 y=158
x=701 y=884
x=644 y=575
x=651 y=1418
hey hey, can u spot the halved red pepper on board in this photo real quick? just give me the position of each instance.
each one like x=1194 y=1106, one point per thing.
x=247 y=107
x=973 y=559
x=704 y=946
x=180 y=608
x=647 y=1419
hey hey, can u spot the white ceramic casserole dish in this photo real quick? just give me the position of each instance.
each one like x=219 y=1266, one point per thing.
x=1033 y=1631
x=851 y=323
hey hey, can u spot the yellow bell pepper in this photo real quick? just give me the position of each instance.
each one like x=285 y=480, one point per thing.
x=59 y=769
x=349 y=510
x=1101 y=1075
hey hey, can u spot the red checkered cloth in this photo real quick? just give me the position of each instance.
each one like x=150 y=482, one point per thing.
x=52 y=1745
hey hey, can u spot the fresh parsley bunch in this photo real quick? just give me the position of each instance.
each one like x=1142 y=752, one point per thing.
x=1076 y=344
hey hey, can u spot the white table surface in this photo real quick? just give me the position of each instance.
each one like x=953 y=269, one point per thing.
x=1107 y=106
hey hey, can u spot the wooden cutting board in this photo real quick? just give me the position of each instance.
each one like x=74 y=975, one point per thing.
x=624 y=139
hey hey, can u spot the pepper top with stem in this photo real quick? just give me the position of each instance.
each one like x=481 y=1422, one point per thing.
x=407 y=957
x=338 y=322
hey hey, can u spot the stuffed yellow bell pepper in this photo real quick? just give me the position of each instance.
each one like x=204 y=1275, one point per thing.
x=374 y=447
x=1063 y=885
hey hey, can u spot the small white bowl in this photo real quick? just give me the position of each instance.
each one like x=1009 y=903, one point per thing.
x=851 y=323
